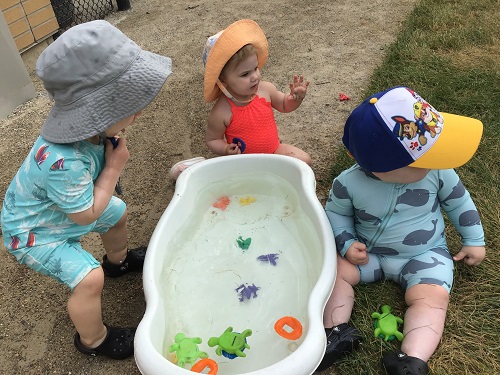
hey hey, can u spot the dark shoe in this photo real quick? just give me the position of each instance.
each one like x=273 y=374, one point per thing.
x=399 y=363
x=340 y=341
x=118 y=344
x=132 y=263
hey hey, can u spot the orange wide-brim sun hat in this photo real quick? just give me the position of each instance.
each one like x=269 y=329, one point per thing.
x=220 y=47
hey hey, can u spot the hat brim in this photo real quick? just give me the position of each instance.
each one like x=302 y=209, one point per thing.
x=100 y=109
x=232 y=39
x=456 y=144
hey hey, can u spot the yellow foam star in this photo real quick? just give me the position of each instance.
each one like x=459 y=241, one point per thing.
x=246 y=201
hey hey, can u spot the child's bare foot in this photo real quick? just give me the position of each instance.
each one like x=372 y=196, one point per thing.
x=179 y=167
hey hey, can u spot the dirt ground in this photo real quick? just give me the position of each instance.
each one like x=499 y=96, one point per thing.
x=334 y=44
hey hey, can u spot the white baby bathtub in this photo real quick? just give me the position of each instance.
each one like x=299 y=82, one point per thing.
x=190 y=275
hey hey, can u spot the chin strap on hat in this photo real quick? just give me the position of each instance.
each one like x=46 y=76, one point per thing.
x=224 y=90
x=230 y=96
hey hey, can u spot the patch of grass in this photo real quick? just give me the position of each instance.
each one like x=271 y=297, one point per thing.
x=448 y=52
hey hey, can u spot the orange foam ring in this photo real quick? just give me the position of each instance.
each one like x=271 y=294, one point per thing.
x=291 y=322
x=204 y=363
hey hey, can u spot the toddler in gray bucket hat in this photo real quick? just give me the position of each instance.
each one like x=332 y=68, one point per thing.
x=97 y=76
x=100 y=81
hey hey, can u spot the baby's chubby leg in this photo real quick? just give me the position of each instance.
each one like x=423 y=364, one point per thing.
x=341 y=339
x=339 y=306
x=289 y=150
x=424 y=319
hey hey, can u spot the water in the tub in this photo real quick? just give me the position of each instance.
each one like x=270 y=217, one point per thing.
x=243 y=260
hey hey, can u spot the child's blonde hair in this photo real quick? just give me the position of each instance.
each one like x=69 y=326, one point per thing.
x=244 y=52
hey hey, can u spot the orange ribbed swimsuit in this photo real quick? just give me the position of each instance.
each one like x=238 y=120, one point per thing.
x=255 y=125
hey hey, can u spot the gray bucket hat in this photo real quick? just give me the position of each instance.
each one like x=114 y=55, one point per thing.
x=97 y=76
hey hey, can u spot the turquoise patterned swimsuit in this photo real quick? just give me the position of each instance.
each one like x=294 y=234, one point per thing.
x=55 y=180
x=402 y=224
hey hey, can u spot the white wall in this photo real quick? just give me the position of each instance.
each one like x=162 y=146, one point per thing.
x=15 y=84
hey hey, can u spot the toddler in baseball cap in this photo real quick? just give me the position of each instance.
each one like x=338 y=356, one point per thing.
x=386 y=216
x=100 y=81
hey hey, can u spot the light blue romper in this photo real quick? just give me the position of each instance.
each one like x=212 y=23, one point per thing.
x=402 y=224
x=56 y=180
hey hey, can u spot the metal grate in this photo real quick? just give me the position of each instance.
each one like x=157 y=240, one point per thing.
x=73 y=12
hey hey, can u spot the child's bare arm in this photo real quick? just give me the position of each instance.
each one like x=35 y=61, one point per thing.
x=216 y=127
x=292 y=101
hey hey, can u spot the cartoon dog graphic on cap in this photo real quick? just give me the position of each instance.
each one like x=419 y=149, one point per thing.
x=427 y=120
x=426 y=113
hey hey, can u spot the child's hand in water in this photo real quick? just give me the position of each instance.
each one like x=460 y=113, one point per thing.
x=298 y=88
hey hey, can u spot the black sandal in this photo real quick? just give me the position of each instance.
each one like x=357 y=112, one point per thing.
x=399 y=363
x=118 y=344
x=341 y=340
x=132 y=263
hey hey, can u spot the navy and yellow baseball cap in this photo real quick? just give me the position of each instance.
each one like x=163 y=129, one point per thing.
x=397 y=128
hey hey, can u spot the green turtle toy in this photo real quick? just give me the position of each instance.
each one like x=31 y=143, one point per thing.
x=231 y=344
x=386 y=324
x=186 y=349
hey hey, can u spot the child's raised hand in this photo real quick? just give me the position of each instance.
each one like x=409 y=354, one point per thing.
x=471 y=255
x=356 y=254
x=298 y=89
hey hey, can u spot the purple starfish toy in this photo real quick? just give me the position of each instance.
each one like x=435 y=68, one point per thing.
x=270 y=258
x=246 y=291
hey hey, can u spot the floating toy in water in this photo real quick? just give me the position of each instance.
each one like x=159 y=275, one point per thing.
x=247 y=291
x=186 y=349
x=206 y=363
x=246 y=201
x=292 y=323
x=244 y=244
x=240 y=143
x=231 y=344
x=222 y=202
x=270 y=258
x=386 y=324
